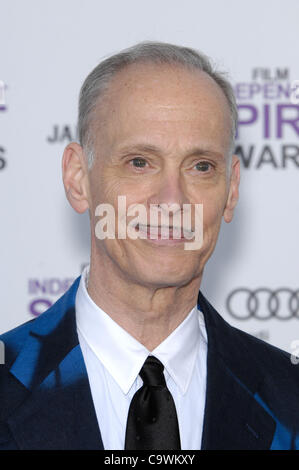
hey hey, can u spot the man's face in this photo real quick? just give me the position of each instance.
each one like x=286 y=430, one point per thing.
x=161 y=135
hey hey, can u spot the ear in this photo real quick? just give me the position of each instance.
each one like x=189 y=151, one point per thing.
x=233 y=194
x=75 y=177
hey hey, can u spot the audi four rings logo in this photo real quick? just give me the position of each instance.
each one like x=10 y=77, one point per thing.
x=263 y=303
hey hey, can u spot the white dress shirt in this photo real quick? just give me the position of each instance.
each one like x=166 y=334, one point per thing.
x=114 y=358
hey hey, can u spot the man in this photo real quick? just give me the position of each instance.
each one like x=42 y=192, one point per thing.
x=133 y=356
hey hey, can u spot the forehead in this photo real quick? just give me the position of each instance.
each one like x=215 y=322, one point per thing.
x=160 y=98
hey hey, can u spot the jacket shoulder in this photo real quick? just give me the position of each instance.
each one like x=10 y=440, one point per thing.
x=243 y=349
x=267 y=355
x=266 y=371
x=44 y=324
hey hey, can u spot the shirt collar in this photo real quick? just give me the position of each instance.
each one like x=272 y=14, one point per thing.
x=123 y=356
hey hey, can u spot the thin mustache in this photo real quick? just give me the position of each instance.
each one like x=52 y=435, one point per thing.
x=169 y=227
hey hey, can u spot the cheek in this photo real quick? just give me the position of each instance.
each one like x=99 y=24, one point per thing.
x=212 y=215
x=119 y=194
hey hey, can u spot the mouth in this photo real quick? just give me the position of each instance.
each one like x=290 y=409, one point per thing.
x=164 y=235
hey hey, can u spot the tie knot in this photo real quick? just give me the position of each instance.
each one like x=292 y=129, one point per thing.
x=152 y=372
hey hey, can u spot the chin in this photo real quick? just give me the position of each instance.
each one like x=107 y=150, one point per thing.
x=160 y=276
x=171 y=281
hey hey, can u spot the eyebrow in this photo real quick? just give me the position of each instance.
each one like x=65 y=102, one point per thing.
x=194 y=152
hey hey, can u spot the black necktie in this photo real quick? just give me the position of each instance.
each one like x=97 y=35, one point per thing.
x=152 y=420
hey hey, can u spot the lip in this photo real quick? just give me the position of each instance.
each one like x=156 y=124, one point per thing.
x=162 y=235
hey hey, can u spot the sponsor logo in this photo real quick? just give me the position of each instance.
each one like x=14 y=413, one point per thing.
x=44 y=292
x=62 y=134
x=268 y=106
x=295 y=92
x=263 y=303
x=2 y=158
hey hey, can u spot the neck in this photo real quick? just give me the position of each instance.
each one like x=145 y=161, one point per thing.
x=148 y=313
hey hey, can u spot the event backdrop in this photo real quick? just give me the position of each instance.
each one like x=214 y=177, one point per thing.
x=48 y=48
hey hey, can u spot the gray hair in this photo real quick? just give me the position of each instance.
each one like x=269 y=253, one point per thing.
x=97 y=82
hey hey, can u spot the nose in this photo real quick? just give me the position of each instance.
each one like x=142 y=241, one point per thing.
x=170 y=190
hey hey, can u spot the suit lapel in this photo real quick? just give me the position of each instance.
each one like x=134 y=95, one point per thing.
x=233 y=418
x=53 y=386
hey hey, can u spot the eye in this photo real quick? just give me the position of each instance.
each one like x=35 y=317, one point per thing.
x=203 y=166
x=138 y=162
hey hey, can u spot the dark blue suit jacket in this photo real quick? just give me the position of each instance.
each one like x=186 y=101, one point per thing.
x=252 y=399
